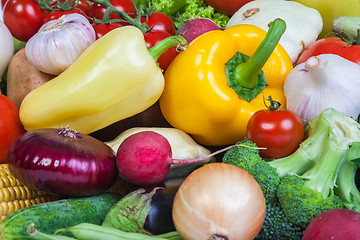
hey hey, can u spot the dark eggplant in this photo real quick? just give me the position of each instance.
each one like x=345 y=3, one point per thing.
x=159 y=219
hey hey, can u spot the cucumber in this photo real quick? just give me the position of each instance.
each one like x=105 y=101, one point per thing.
x=51 y=216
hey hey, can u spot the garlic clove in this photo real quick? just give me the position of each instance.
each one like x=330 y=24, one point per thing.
x=59 y=42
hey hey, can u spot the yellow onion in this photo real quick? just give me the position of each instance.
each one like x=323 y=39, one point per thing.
x=219 y=201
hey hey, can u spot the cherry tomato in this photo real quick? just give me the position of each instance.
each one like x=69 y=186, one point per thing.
x=23 y=18
x=227 y=7
x=52 y=15
x=102 y=28
x=279 y=131
x=10 y=126
x=160 y=21
x=333 y=45
x=97 y=11
x=152 y=38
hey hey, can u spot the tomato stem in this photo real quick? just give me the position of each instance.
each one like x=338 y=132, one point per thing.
x=274 y=105
x=144 y=28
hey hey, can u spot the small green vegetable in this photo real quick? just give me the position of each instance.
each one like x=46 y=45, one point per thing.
x=90 y=231
x=49 y=217
x=129 y=214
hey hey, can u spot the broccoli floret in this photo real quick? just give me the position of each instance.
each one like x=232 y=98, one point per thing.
x=247 y=157
x=277 y=226
x=307 y=192
x=300 y=203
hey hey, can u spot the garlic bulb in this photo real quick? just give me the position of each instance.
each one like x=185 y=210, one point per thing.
x=324 y=81
x=6 y=48
x=59 y=42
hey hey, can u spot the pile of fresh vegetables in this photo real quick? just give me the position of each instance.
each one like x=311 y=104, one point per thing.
x=181 y=119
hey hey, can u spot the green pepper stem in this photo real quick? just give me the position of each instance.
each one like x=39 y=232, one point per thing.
x=246 y=73
x=133 y=21
x=165 y=44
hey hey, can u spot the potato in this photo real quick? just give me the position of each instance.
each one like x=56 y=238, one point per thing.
x=23 y=77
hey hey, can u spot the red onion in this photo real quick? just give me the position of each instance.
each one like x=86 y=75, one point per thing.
x=63 y=161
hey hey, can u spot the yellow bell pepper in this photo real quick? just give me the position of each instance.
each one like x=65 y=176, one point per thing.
x=114 y=78
x=197 y=98
x=331 y=9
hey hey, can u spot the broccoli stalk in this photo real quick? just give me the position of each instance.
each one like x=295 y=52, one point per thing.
x=303 y=195
x=346 y=187
x=308 y=151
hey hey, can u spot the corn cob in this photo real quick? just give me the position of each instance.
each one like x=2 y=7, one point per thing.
x=14 y=195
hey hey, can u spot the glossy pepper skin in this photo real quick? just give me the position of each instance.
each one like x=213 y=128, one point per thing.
x=113 y=79
x=197 y=98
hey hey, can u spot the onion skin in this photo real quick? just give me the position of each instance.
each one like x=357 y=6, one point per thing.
x=63 y=162
x=219 y=201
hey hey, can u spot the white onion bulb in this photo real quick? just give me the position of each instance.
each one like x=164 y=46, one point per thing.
x=59 y=42
x=323 y=81
x=219 y=201
x=6 y=48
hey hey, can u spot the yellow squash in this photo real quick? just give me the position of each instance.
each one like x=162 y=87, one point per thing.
x=331 y=9
x=113 y=79
x=197 y=98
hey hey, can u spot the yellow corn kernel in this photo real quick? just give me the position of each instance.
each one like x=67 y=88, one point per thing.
x=18 y=193
x=4 y=170
x=9 y=207
x=8 y=181
x=14 y=195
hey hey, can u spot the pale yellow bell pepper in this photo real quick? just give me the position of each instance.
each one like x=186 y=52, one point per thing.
x=114 y=78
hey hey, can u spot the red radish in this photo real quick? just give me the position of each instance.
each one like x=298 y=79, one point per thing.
x=336 y=224
x=144 y=158
x=196 y=27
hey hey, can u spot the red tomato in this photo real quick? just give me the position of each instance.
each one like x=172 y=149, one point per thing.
x=97 y=11
x=280 y=132
x=161 y=22
x=152 y=38
x=23 y=18
x=57 y=14
x=10 y=126
x=227 y=7
x=103 y=28
x=333 y=45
